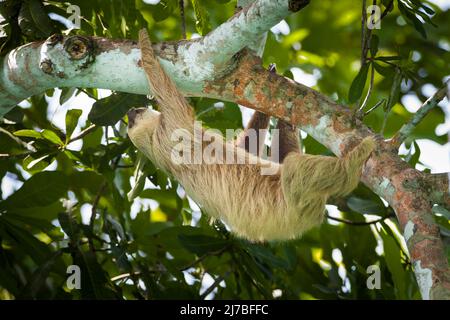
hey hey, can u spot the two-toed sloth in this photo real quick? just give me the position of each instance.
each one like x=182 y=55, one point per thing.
x=257 y=207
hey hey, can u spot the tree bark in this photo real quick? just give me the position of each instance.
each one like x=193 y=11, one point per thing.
x=216 y=66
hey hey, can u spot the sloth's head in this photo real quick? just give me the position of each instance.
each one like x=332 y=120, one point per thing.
x=142 y=123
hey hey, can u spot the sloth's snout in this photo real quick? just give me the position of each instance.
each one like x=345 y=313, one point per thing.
x=132 y=114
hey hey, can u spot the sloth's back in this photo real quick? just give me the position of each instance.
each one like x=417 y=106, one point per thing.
x=251 y=204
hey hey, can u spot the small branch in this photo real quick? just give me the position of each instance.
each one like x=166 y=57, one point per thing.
x=379 y=103
x=363 y=32
x=387 y=9
x=124 y=276
x=203 y=257
x=83 y=133
x=428 y=105
x=215 y=284
x=360 y=223
x=27 y=146
x=183 y=19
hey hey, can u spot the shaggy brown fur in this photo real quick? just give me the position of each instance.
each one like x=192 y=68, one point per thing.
x=257 y=207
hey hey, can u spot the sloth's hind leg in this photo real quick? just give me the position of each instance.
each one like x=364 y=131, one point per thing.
x=312 y=177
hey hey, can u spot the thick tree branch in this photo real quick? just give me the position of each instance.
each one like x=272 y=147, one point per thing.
x=385 y=172
x=210 y=67
x=428 y=105
x=95 y=62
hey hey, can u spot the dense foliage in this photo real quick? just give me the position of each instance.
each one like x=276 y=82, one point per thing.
x=160 y=245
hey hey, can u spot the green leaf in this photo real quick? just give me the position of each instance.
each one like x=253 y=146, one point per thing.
x=28 y=133
x=393 y=261
x=109 y=110
x=265 y=255
x=412 y=19
x=201 y=244
x=365 y=206
x=66 y=94
x=414 y=159
x=386 y=71
x=44 y=134
x=70 y=226
x=388 y=58
x=374 y=41
x=163 y=9
x=72 y=117
x=41 y=189
x=441 y=210
x=40 y=17
x=25 y=241
x=139 y=176
x=202 y=24
x=394 y=94
x=34 y=162
x=94 y=280
x=37 y=280
x=357 y=86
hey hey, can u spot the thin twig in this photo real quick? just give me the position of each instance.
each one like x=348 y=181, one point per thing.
x=363 y=31
x=360 y=223
x=426 y=107
x=387 y=9
x=201 y=258
x=379 y=103
x=83 y=133
x=215 y=284
x=183 y=19
x=27 y=146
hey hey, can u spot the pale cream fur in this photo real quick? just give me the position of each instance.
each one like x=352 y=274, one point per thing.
x=255 y=206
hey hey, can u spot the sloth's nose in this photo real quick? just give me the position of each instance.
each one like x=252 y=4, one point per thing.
x=132 y=114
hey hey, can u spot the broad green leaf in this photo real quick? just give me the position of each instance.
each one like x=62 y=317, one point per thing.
x=44 y=134
x=393 y=261
x=94 y=279
x=51 y=136
x=162 y=9
x=109 y=110
x=357 y=86
x=365 y=206
x=202 y=24
x=41 y=189
x=70 y=226
x=386 y=71
x=39 y=276
x=388 y=58
x=394 y=94
x=28 y=133
x=374 y=41
x=139 y=176
x=414 y=159
x=412 y=19
x=201 y=244
x=66 y=94
x=34 y=163
x=441 y=210
x=25 y=241
x=72 y=117
x=265 y=255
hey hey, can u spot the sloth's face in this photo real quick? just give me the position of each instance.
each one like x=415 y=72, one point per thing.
x=142 y=123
